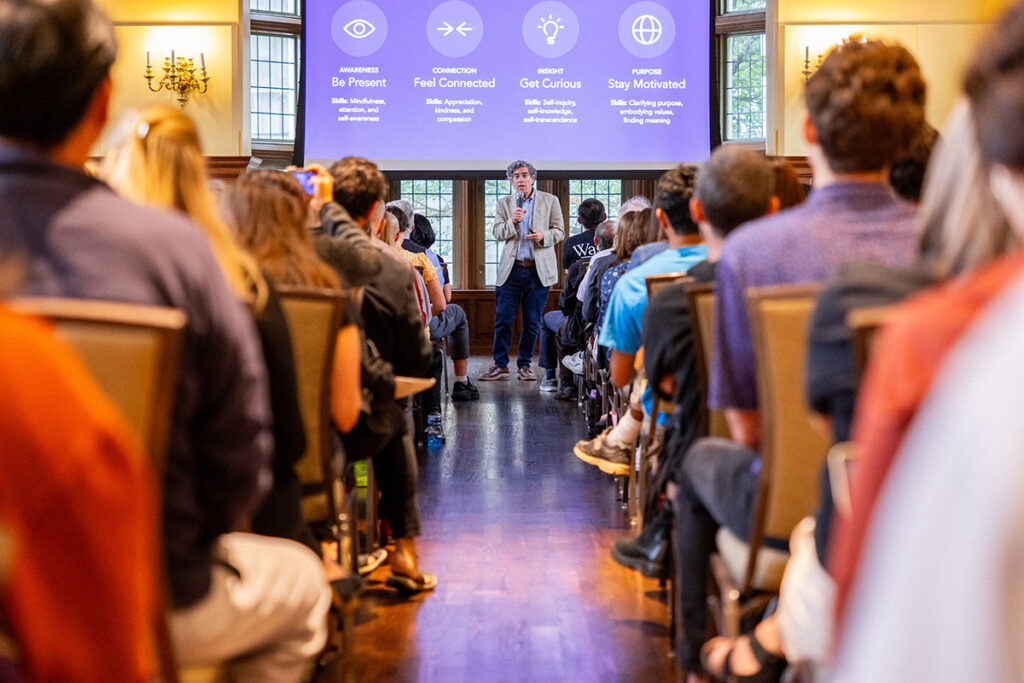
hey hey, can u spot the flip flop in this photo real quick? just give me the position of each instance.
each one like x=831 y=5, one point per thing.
x=407 y=585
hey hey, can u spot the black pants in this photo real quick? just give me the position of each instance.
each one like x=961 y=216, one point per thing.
x=396 y=471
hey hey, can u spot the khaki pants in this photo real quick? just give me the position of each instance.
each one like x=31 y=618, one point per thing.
x=267 y=621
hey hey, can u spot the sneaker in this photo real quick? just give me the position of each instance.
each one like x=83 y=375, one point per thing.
x=608 y=458
x=574 y=362
x=566 y=393
x=496 y=372
x=465 y=391
x=526 y=374
x=369 y=562
x=549 y=384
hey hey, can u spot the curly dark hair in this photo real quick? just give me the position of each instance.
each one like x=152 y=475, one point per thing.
x=358 y=183
x=866 y=103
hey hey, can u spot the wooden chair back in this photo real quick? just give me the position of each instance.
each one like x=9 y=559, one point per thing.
x=314 y=318
x=656 y=283
x=864 y=323
x=792 y=450
x=132 y=352
x=701 y=299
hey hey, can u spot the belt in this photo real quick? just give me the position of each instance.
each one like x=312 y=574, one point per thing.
x=525 y=263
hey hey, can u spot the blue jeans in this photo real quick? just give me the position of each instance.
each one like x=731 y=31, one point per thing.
x=522 y=287
x=548 y=346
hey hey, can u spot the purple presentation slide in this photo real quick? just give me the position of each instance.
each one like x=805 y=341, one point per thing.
x=457 y=85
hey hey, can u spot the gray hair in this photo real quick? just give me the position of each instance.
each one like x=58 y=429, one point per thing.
x=635 y=203
x=511 y=168
x=605 y=235
x=405 y=207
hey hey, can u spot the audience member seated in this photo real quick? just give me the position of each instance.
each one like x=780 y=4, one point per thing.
x=159 y=162
x=854 y=129
x=799 y=630
x=76 y=238
x=589 y=215
x=631 y=232
x=653 y=245
x=898 y=379
x=563 y=337
x=787 y=189
x=268 y=212
x=396 y=335
x=589 y=290
x=612 y=449
x=734 y=186
x=78 y=520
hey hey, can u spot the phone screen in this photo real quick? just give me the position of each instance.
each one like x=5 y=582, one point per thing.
x=305 y=178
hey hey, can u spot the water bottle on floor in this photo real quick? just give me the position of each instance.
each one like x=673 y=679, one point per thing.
x=435 y=431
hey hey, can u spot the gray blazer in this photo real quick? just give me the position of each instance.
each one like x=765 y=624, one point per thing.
x=547 y=219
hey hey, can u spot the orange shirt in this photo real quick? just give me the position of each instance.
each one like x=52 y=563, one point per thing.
x=907 y=356
x=78 y=571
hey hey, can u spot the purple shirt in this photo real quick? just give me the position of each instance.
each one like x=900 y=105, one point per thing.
x=837 y=224
x=76 y=238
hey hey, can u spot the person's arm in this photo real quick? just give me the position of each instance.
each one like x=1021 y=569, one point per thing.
x=504 y=227
x=745 y=426
x=552 y=234
x=346 y=388
x=437 y=300
x=566 y=255
x=622 y=368
x=346 y=247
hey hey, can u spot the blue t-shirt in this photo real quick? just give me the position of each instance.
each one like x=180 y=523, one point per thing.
x=621 y=329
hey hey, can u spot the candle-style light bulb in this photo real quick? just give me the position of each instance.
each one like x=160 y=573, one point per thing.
x=147 y=59
x=202 y=60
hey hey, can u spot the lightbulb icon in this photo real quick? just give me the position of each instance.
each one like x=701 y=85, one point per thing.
x=550 y=27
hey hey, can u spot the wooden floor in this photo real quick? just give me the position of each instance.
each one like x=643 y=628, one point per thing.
x=517 y=529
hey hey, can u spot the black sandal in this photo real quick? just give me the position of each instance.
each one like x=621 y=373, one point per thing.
x=407 y=585
x=772 y=666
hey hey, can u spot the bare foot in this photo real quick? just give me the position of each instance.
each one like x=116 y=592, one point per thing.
x=403 y=559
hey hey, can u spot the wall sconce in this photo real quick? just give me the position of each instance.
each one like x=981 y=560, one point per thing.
x=179 y=76
x=807 y=71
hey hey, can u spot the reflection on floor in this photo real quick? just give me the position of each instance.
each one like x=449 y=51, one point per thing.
x=517 y=530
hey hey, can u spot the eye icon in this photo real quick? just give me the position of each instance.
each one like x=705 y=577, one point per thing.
x=359 y=28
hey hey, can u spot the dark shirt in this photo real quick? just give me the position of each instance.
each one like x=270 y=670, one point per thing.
x=76 y=238
x=832 y=377
x=578 y=246
x=669 y=350
x=345 y=246
x=280 y=514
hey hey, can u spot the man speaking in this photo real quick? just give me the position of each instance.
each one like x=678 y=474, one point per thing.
x=530 y=223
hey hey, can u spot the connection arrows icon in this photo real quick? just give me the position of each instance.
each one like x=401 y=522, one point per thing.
x=461 y=29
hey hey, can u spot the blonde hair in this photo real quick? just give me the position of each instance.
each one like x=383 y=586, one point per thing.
x=391 y=229
x=157 y=160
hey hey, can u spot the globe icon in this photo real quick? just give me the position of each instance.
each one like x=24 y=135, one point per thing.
x=647 y=29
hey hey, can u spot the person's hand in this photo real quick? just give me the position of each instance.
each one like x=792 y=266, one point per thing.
x=534 y=236
x=517 y=215
x=323 y=187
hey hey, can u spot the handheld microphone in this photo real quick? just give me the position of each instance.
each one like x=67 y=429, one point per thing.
x=519 y=200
